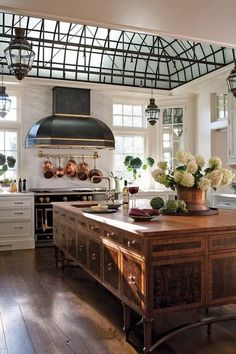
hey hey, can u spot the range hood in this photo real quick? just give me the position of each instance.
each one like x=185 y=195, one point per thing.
x=70 y=125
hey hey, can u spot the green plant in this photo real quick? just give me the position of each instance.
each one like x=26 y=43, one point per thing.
x=6 y=162
x=134 y=164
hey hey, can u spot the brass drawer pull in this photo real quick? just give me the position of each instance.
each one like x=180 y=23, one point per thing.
x=110 y=234
x=56 y=212
x=18 y=227
x=63 y=215
x=82 y=223
x=18 y=213
x=94 y=228
x=109 y=266
x=130 y=243
x=18 y=203
x=93 y=256
x=7 y=245
x=72 y=219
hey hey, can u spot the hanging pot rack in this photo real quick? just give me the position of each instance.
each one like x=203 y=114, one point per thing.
x=80 y=156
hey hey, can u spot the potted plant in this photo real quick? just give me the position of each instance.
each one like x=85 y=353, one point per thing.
x=135 y=164
x=190 y=179
x=5 y=163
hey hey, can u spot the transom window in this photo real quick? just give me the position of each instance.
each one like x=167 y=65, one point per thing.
x=127 y=115
x=12 y=114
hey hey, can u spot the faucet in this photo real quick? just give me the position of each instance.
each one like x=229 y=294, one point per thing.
x=110 y=197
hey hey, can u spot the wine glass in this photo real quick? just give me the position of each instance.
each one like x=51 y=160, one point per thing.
x=133 y=190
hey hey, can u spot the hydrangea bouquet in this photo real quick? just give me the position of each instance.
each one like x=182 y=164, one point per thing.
x=190 y=172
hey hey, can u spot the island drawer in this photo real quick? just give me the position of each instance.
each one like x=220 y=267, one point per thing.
x=81 y=223
x=132 y=242
x=222 y=241
x=111 y=233
x=177 y=246
x=94 y=228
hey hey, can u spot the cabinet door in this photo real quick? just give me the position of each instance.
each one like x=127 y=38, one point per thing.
x=82 y=248
x=222 y=283
x=177 y=283
x=111 y=266
x=132 y=279
x=94 y=256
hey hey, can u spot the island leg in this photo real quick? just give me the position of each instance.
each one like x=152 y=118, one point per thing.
x=126 y=320
x=147 y=332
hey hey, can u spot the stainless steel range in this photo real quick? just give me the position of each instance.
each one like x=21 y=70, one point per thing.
x=43 y=208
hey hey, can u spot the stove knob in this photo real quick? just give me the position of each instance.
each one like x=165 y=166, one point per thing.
x=47 y=199
x=41 y=199
x=64 y=199
x=90 y=197
x=84 y=198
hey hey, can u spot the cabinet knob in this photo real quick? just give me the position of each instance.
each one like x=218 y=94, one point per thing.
x=131 y=279
x=93 y=256
x=94 y=228
x=109 y=266
x=81 y=247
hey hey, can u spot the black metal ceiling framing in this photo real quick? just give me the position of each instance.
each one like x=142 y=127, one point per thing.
x=78 y=52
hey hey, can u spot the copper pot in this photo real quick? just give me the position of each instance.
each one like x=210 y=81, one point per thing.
x=95 y=173
x=60 y=170
x=47 y=164
x=71 y=168
x=83 y=170
x=48 y=169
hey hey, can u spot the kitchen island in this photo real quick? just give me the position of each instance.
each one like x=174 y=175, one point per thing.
x=169 y=264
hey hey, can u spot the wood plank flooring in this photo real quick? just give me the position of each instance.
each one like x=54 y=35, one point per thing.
x=43 y=311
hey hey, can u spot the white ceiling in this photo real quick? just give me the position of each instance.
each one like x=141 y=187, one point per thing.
x=203 y=20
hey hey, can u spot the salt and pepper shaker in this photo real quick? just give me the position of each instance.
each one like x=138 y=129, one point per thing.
x=19 y=185
x=24 y=185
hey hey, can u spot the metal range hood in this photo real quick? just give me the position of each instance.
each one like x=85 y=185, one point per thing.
x=71 y=125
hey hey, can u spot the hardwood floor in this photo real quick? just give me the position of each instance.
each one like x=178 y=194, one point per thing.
x=43 y=311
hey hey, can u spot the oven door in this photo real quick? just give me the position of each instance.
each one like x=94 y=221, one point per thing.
x=43 y=219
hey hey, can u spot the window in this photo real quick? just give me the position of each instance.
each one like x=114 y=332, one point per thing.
x=130 y=131
x=9 y=138
x=221 y=106
x=172 y=134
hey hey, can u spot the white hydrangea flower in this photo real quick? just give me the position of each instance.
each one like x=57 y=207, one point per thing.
x=182 y=157
x=215 y=162
x=187 y=180
x=192 y=167
x=228 y=175
x=155 y=173
x=199 y=160
x=204 y=183
x=162 y=165
x=215 y=177
x=178 y=176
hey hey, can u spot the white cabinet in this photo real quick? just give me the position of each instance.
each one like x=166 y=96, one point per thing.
x=16 y=221
x=225 y=201
x=232 y=131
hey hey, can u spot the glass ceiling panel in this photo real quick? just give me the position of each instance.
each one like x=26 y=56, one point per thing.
x=96 y=54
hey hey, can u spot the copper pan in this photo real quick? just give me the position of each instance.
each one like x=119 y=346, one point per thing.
x=95 y=173
x=48 y=169
x=60 y=170
x=83 y=170
x=71 y=168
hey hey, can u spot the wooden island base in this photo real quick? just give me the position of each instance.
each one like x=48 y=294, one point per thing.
x=170 y=264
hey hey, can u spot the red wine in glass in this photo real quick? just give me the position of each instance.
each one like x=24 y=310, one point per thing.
x=133 y=190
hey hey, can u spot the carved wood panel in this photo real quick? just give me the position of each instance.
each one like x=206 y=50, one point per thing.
x=94 y=256
x=111 y=266
x=222 y=280
x=132 y=273
x=178 y=283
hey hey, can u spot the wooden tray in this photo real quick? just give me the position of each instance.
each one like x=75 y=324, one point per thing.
x=210 y=211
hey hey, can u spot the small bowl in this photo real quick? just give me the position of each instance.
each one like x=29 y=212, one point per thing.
x=113 y=205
